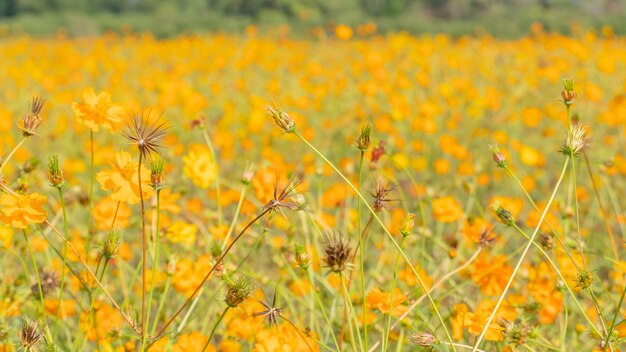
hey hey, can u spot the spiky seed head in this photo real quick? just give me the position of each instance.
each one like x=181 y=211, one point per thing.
x=55 y=173
x=111 y=244
x=285 y=197
x=216 y=249
x=157 y=169
x=145 y=133
x=498 y=157
x=422 y=339
x=281 y=118
x=487 y=239
x=336 y=252
x=546 y=241
x=363 y=141
x=29 y=334
x=503 y=215
x=238 y=290
x=381 y=194
x=31 y=121
x=407 y=225
x=576 y=141
x=303 y=258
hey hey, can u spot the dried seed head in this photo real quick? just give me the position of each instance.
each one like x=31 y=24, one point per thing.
x=407 y=225
x=516 y=332
x=423 y=339
x=285 y=197
x=302 y=257
x=55 y=174
x=145 y=133
x=583 y=279
x=49 y=282
x=503 y=215
x=487 y=239
x=568 y=94
x=363 y=141
x=238 y=290
x=111 y=245
x=381 y=196
x=546 y=241
x=498 y=157
x=29 y=334
x=576 y=141
x=281 y=118
x=157 y=167
x=31 y=121
x=336 y=252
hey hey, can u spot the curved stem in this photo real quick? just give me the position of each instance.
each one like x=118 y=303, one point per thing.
x=393 y=286
x=521 y=259
x=5 y=161
x=144 y=249
x=319 y=302
x=387 y=233
x=208 y=341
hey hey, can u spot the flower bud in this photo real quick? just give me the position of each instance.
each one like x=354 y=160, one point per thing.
x=568 y=94
x=157 y=167
x=503 y=215
x=31 y=121
x=302 y=257
x=423 y=339
x=55 y=174
x=281 y=118
x=111 y=245
x=237 y=290
x=408 y=222
x=363 y=141
x=498 y=157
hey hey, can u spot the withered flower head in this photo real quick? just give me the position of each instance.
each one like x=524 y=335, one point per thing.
x=336 y=251
x=31 y=121
x=55 y=174
x=145 y=133
x=568 y=94
x=285 y=197
x=238 y=290
x=29 y=334
x=487 y=239
x=576 y=141
x=271 y=312
x=546 y=241
x=281 y=118
x=423 y=339
x=49 y=281
x=583 y=279
x=381 y=196
x=503 y=215
x=363 y=141
x=516 y=333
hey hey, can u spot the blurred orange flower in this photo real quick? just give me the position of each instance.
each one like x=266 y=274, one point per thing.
x=20 y=210
x=447 y=209
x=97 y=111
x=123 y=179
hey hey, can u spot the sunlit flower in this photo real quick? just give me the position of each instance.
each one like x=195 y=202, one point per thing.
x=123 y=180
x=98 y=111
x=200 y=167
x=447 y=209
x=20 y=210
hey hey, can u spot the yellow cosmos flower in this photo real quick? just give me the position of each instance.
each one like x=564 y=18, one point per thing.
x=192 y=342
x=475 y=322
x=123 y=180
x=20 y=210
x=97 y=111
x=108 y=209
x=447 y=209
x=182 y=232
x=199 y=166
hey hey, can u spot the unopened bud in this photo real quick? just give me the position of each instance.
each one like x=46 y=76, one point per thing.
x=302 y=257
x=408 y=222
x=281 y=118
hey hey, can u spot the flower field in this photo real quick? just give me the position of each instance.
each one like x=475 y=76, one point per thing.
x=349 y=192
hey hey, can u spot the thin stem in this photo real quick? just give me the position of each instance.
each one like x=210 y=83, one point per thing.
x=521 y=260
x=208 y=341
x=619 y=305
x=5 y=161
x=207 y=139
x=387 y=233
x=393 y=286
x=91 y=178
x=144 y=249
x=236 y=216
x=61 y=285
x=206 y=277
x=32 y=257
x=361 y=249
x=319 y=302
x=155 y=265
x=352 y=317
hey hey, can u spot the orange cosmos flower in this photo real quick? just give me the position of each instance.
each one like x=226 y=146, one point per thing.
x=20 y=210
x=98 y=111
x=475 y=322
x=447 y=209
x=380 y=300
x=123 y=180
x=192 y=342
x=199 y=166
x=491 y=273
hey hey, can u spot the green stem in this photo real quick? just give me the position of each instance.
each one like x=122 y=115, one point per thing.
x=352 y=316
x=236 y=216
x=43 y=307
x=155 y=265
x=361 y=250
x=91 y=178
x=5 y=161
x=387 y=233
x=521 y=259
x=319 y=302
x=387 y=330
x=207 y=139
x=219 y=320
x=619 y=305
x=61 y=285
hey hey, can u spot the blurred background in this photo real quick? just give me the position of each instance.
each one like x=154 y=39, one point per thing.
x=501 y=18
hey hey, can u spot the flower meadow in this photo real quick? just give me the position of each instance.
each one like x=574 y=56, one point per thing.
x=344 y=192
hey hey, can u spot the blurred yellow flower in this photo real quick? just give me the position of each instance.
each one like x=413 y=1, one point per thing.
x=199 y=166
x=182 y=232
x=20 y=210
x=97 y=111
